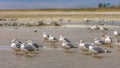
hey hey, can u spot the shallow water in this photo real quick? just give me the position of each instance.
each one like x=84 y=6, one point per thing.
x=50 y=57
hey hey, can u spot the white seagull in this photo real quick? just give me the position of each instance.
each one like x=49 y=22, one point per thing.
x=84 y=46
x=29 y=42
x=15 y=45
x=103 y=29
x=61 y=39
x=93 y=28
x=94 y=50
x=52 y=39
x=108 y=41
x=67 y=45
x=99 y=42
x=28 y=49
x=116 y=33
x=45 y=36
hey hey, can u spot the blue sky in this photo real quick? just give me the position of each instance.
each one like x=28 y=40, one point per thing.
x=34 y=4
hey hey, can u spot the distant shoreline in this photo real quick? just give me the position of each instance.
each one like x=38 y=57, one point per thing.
x=56 y=14
x=107 y=9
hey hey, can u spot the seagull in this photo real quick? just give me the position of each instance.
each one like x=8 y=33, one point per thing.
x=94 y=28
x=52 y=39
x=27 y=49
x=86 y=20
x=103 y=36
x=108 y=41
x=116 y=33
x=15 y=45
x=29 y=42
x=45 y=36
x=103 y=29
x=67 y=45
x=84 y=46
x=99 y=42
x=61 y=39
x=94 y=50
x=106 y=38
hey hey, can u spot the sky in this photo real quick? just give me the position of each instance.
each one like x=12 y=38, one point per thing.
x=45 y=4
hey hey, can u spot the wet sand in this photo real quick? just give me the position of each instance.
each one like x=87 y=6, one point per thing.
x=54 y=57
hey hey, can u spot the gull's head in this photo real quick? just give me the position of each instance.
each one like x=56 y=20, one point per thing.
x=14 y=39
x=29 y=41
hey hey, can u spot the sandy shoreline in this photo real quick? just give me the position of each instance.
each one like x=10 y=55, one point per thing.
x=75 y=16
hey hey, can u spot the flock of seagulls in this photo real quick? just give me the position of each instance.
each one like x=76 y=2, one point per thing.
x=97 y=20
x=26 y=48
x=93 y=48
